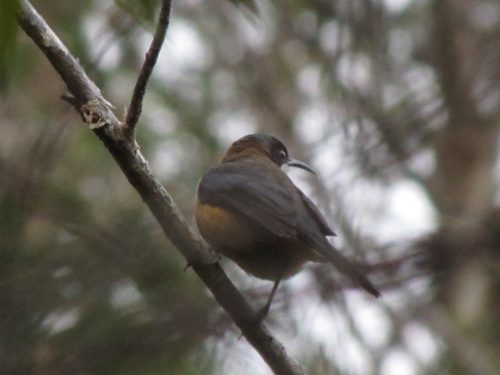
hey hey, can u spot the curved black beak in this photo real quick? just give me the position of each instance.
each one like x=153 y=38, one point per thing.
x=301 y=165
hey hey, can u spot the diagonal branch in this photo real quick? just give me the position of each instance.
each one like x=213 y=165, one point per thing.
x=89 y=102
x=135 y=106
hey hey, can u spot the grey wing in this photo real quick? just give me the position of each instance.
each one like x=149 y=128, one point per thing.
x=317 y=216
x=313 y=228
x=250 y=194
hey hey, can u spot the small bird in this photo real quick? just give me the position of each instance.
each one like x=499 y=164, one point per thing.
x=249 y=210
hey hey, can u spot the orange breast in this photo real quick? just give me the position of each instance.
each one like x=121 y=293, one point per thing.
x=222 y=230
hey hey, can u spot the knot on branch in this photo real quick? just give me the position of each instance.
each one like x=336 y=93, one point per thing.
x=95 y=113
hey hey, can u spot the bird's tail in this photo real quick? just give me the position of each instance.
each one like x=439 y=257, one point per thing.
x=345 y=266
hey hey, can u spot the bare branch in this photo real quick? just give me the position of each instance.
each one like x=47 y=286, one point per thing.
x=96 y=110
x=135 y=106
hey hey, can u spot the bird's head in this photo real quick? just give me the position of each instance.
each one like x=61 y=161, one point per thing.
x=266 y=145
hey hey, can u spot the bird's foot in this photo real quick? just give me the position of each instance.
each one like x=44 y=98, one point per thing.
x=216 y=257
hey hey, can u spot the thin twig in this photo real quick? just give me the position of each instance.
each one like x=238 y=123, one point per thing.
x=94 y=109
x=135 y=106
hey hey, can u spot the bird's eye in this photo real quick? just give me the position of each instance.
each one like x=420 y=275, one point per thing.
x=283 y=155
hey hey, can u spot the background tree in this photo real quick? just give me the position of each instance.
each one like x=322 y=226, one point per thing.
x=396 y=105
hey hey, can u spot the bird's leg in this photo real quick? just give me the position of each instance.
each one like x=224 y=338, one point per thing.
x=216 y=257
x=265 y=310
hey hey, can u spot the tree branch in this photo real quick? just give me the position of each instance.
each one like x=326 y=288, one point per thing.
x=464 y=182
x=135 y=106
x=95 y=110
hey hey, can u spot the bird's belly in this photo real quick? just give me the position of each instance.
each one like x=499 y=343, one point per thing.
x=270 y=261
x=259 y=253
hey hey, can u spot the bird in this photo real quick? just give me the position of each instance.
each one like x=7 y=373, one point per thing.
x=250 y=211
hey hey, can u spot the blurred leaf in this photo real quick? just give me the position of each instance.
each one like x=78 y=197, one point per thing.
x=143 y=11
x=246 y=5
